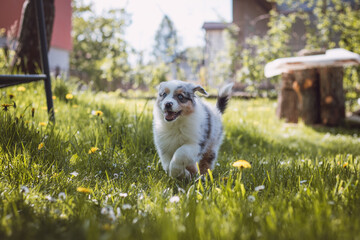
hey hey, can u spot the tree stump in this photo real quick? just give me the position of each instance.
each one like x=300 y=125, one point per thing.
x=332 y=97
x=306 y=85
x=288 y=99
x=316 y=95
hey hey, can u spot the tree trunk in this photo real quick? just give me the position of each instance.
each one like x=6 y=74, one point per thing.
x=288 y=100
x=332 y=95
x=27 y=57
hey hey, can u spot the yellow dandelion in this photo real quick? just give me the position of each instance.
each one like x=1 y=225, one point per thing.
x=98 y=113
x=241 y=164
x=69 y=96
x=6 y=106
x=21 y=89
x=43 y=124
x=106 y=227
x=345 y=165
x=83 y=190
x=93 y=150
x=53 y=97
x=41 y=145
x=44 y=108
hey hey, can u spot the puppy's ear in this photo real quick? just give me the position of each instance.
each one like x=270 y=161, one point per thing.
x=200 y=89
x=157 y=87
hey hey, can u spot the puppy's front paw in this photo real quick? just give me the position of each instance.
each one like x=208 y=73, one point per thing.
x=176 y=170
x=179 y=171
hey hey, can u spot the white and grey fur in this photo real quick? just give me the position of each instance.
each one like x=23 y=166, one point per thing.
x=187 y=130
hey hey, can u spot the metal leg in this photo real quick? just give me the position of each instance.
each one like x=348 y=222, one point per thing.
x=39 y=9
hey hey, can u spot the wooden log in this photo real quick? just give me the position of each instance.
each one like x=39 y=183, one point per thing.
x=306 y=85
x=332 y=96
x=287 y=100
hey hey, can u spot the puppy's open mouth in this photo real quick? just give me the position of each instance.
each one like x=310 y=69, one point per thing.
x=171 y=116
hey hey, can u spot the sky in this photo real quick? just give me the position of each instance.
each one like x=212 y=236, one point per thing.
x=188 y=17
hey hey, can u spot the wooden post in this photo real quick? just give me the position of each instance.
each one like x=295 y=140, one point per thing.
x=288 y=100
x=332 y=95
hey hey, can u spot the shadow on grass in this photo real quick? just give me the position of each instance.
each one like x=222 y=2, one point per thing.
x=248 y=141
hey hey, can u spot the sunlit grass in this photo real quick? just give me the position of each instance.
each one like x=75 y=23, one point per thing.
x=95 y=174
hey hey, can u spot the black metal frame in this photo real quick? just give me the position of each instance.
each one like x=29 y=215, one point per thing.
x=10 y=80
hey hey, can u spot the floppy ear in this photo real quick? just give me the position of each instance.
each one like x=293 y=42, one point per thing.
x=200 y=89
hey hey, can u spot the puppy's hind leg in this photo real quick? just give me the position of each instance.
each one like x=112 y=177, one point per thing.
x=184 y=156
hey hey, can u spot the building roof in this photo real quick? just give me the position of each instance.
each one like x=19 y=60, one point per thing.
x=215 y=25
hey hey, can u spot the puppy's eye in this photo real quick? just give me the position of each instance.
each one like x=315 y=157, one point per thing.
x=180 y=97
x=163 y=95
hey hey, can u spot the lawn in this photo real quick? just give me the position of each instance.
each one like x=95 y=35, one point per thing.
x=95 y=174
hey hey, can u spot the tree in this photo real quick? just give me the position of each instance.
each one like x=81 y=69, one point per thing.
x=100 y=53
x=166 y=41
x=27 y=57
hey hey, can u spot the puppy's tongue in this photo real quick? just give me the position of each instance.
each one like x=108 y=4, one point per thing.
x=169 y=116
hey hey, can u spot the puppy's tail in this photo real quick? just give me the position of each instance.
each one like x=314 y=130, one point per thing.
x=223 y=97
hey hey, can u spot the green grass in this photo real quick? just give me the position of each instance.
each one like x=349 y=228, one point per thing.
x=308 y=193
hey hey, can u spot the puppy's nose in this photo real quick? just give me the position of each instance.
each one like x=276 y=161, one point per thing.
x=168 y=105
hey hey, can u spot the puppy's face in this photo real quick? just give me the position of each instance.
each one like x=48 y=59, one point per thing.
x=176 y=99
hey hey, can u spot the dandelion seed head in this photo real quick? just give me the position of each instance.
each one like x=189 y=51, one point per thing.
x=24 y=189
x=251 y=198
x=124 y=195
x=259 y=188
x=74 y=173
x=174 y=199
x=62 y=196
x=126 y=206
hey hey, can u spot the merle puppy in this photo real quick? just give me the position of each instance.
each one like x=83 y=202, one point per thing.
x=187 y=130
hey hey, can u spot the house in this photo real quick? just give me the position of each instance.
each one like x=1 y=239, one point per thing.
x=61 y=41
x=251 y=17
x=214 y=45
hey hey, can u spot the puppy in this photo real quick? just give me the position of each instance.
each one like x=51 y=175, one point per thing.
x=187 y=130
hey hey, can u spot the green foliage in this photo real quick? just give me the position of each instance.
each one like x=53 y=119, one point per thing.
x=166 y=46
x=328 y=24
x=100 y=53
x=303 y=183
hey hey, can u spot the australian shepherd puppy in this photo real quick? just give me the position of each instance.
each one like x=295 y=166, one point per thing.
x=187 y=130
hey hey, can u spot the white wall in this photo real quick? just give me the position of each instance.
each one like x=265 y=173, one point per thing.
x=59 y=58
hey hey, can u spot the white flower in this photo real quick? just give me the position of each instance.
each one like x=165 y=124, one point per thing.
x=124 y=195
x=50 y=198
x=126 y=206
x=258 y=188
x=116 y=176
x=24 y=189
x=118 y=212
x=74 y=173
x=174 y=199
x=303 y=181
x=251 y=198
x=109 y=212
x=62 y=196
